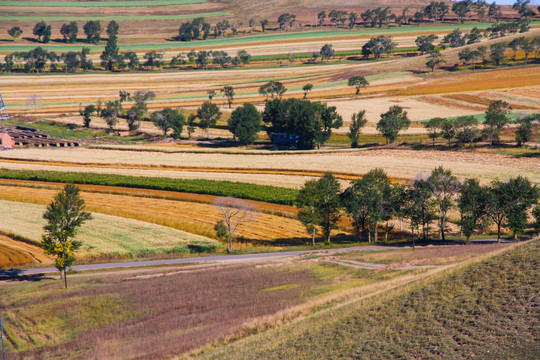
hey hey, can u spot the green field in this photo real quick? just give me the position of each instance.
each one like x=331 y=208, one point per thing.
x=100 y=3
x=271 y=194
x=104 y=235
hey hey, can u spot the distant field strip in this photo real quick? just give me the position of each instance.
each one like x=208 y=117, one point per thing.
x=99 y=3
x=116 y=18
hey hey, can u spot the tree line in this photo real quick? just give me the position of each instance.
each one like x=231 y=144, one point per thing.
x=373 y=201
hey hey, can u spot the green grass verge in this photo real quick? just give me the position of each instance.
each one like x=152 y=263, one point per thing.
x=265 y=193
x=110 y=18
x=93 y=4
x=487 y=310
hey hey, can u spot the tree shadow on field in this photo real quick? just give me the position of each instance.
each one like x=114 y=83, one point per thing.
x=17 y=276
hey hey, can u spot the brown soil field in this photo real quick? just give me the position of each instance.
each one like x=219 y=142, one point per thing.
x=197 y=218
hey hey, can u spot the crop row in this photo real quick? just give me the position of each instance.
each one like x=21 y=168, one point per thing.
x=265 y=193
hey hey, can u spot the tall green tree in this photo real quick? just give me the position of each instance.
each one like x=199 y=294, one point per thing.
x=327 y=52
x=69 y=31
x=245 y=123
x=329 y=204
x=359 y=82
x=208 y=115
x=15 y=32
x=473 y=206
x=272 y=88
x=358 y=121
x=307 y=202
x=392 y=122
x=109 y=57
x=43 y=32
x=87 y=113
x=112 y=28
x=228 y=91
x=64 y=216
x=425 y=43
x=307 y=88
x=521 y=195
x=93 y=30
x=444 y=186
x=434 y=128
x=525 y=127
x=496 y=120
x=434 y=59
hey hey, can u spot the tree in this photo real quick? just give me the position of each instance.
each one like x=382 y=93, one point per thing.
x=69 y=32
x=444 y=186
x=473 y=206
x=245 y=123
x=202 y=58
x=235 y=213
x=352 y=19
x=454 y=39
x=153 y=59
x=132 y=58
x=109 y=56
x=264 y=24
x=64 y=216
x=522 y=8
x=286 y=20
x=42 y=31
x=527 y=45
x=466 y=129
x=208 y=115
x=524 y=129
x=467 y=55
x=425 y=43
x=392 y=122
x=434 y=59
x=229 y=94
x=307 y=88
x=521 y=195
x=15 y=32
x=515 y=45
x=419 y=207
x=244 y=56
x=337 y=17
x=358 y=121
x=307 y=202
x=328 y=204
x=93 y=29
x=221 y=58
x=494 y=11
x=448 y=130
x=111 y=112
x=496 y=120
x=434 y=128
x=359 y=82
x=536 y=217
x=112 y=28
x=327 y=52
x=272 y=88
x=462 y=9
x=497 y=53
x=321 y=16
x=88 y=111
x=72 y=61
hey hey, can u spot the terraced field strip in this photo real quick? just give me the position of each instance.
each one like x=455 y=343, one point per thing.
x=116 y=18
x=91 y=4
x=270 y=208
x=103 y=235
x=16 y=253
x=190 y=217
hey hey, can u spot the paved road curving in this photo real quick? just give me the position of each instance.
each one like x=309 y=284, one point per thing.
x=222 y=258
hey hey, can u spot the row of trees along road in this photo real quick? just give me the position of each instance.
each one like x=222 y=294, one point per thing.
x=371 y=202
x=69 y=31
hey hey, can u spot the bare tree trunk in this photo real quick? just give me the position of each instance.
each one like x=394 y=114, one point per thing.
x=313 y=237
x=65 y=277
x=386 y=232
x=498 y=233
x=400 y=222
x=376 y=235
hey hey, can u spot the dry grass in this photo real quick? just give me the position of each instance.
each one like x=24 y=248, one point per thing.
x=399 y=163
x=104 y=235
x=194 y=218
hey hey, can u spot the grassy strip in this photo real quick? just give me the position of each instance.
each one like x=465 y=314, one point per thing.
x=116 y=17
x=93 y=4
x=487 y=310
x=270 y=194
x=310 y=35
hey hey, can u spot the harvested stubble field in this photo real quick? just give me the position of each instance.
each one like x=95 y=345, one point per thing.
x=104 y=235
x=187 y=217
x=174 y=311
x=398 y=163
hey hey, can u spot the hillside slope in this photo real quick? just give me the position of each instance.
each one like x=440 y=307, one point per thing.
x=487 y=310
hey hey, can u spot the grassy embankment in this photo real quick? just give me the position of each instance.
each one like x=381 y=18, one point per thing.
x=485 y=310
